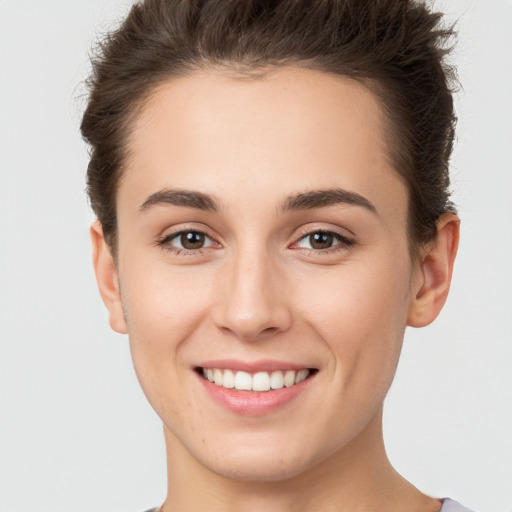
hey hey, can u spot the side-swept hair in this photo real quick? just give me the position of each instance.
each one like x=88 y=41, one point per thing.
x=394 y=47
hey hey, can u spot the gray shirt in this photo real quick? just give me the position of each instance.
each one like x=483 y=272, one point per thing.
x=448 y=506
x=452 y=506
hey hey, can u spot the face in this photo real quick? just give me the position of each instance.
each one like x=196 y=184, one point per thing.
x=263 y=245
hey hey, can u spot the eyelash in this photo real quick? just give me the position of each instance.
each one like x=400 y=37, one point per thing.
x=343 y=242
x=164 y=242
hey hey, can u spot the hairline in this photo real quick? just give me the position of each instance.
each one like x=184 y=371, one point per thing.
x=244 y=69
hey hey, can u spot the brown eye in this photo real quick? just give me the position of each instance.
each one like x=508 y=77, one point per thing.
x=192 y=240
x=321 y=240
x=187 y=243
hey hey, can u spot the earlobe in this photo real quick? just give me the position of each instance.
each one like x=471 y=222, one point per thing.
x=107 y=278
x=434 y=272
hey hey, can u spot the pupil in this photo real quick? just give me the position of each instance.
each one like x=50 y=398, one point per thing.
x=321 y=240
x=192 y=240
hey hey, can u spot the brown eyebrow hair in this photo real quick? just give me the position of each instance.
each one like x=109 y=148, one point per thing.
x=327 y=197
x=179 y=197
x=302 y=201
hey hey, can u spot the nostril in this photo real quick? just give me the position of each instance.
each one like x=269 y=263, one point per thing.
x=250 y=333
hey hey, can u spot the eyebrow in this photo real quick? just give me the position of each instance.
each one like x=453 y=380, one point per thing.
x=302 y=201
x=328 y=197
x=178 y=197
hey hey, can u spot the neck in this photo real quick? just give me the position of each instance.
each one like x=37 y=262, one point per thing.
x=358 y=478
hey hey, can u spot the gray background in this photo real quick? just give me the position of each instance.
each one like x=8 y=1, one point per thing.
x=75 y=430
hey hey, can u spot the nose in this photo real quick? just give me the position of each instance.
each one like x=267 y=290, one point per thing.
x=252 y=300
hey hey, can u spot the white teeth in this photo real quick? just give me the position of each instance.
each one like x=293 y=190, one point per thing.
x=260 y=381
x=276 y=380
x=289 y=378
x=229 y=379
x=243 y=381
x=217 y=376
x=301 y=375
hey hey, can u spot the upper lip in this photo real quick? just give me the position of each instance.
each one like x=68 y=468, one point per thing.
x=263 y=365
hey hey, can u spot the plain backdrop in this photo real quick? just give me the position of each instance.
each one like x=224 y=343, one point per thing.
x=75 y=430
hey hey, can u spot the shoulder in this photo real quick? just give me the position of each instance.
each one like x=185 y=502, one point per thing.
x=452 y=506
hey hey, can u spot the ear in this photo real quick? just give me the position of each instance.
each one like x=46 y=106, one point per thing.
x=107 y=279
x=434 y=272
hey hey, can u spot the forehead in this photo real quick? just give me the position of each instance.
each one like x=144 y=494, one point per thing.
x=288 y=131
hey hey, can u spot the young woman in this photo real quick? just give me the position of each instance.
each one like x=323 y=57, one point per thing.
x=271 y=185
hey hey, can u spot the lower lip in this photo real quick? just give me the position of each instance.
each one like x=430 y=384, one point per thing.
x=254 y=403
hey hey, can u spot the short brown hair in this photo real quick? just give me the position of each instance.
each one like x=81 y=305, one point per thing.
x=394 y=47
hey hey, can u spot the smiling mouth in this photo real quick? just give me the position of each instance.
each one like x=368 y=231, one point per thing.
x=259 y=381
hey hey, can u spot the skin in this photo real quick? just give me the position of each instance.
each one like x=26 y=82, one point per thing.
x=259 y=289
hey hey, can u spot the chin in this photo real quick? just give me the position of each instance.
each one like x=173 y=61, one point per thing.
x=256 y=470
x=256 y=461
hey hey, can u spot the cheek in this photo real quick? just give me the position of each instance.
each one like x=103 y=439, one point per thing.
x=163 y=308
x=360 y=313
x=163 y=301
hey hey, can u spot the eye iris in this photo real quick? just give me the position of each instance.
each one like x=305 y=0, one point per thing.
x=321 y=240
x=192 y=240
